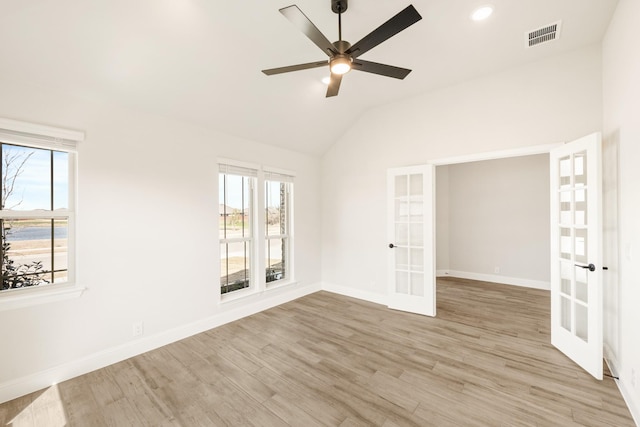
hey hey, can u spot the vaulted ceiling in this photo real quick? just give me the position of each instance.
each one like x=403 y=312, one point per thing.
x=200 y=61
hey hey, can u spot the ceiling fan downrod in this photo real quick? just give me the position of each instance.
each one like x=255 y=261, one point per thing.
x=339 y=6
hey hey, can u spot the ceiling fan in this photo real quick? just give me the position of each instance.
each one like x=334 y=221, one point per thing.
x=343 y=56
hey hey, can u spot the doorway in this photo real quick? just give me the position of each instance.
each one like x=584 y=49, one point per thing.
x=492 y=220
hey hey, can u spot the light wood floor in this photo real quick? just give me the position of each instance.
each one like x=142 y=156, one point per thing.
x=325 y=359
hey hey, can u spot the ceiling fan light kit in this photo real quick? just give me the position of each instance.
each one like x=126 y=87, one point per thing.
x=340 y=64
x=344 y=57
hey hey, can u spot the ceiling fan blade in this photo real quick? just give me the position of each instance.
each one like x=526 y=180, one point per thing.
x=300 y=20
x=334 y=85
x=382 y=69
x=298 y=67
x=393 y=26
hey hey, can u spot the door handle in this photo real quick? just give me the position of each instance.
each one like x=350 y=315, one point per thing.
x=590 y=267
x=391 y=246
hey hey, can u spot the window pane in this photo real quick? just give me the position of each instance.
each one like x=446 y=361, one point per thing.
x=276 y=224
x=60 y=250
x=26 y=259
x=235 y=206
x=26 y=176
x=275 y=250
x=276 y=208
x=235 y=266
x=60 y=180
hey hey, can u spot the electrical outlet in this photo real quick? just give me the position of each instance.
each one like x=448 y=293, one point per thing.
x=138 y=329
x=496 y=270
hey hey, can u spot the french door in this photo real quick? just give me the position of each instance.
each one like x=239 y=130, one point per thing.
x=576 y=252
x=411 y=237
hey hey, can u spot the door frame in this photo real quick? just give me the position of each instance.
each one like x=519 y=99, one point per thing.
x=483 y=156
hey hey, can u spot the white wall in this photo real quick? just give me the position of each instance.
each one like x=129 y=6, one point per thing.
x=146 y=237
x=499 y=218
x=554 y=100
x=621 y=87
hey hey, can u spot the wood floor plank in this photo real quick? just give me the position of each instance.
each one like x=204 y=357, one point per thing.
x=330 y=360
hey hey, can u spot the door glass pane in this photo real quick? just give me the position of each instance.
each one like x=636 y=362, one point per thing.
x=417 y=235
x=401 y=186
x=402 y=282
x=565 y=313
x=581 y=207
x=580 y=169
x=565 y=171
x=415 y=185
x=581 y=246
x=581 y=284
x=565 y=208
x=565 y=243
x=582 y=330
x=417 y=284
x=565 y=277
x=408 y=254
x=402 y=231
x=417 y=259
x=416 y=211
x=402 y=258
x=402 y=210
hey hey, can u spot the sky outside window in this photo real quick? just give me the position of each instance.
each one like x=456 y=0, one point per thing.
x=31 y=168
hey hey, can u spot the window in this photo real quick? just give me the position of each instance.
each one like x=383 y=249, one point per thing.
x=37 y=194
x=243 y=192
x=34 y=224
x=236 y=192
x=277 y=244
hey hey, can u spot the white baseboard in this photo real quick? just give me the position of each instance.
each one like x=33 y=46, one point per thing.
x=355 y=293
x=33 y=382
x=627 y=395
x=495 y=278
x=625 y=390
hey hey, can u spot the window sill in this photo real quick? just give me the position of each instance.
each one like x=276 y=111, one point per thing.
x=280 y=284
x=246 y=293
x=20 y=298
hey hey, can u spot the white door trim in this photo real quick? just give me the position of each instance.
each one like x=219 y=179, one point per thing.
x=499 y=154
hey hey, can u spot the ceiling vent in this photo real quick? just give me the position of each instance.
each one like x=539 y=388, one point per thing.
x=543 y=34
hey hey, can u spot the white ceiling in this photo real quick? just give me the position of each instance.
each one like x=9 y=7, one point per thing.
x=199 y=60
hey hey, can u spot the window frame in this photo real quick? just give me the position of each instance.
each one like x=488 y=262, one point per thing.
x=32 y=135
x=251 y=239
x=287 y=181
x=258 y=251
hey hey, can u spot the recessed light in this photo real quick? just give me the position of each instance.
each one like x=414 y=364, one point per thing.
x=326 y=80
x=482 y=13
